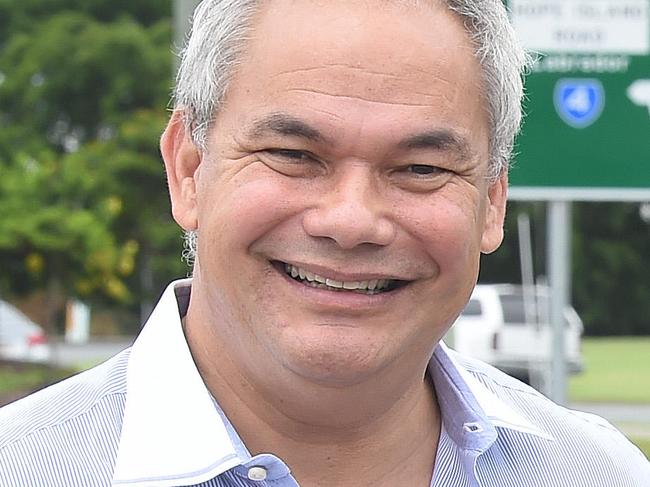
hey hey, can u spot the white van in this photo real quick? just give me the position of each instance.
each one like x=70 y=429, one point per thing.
x=505 y=328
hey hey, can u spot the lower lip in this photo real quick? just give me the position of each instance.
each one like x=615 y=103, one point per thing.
x=341 y=299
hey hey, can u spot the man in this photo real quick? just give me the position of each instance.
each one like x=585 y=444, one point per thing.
x=340 y=167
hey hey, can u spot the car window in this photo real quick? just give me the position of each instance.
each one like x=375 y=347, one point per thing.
x=473 y=308
x=513 y=308
x=514 y=312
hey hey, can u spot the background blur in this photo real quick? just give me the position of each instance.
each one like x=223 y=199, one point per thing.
x=87 y=242
x=84 y=212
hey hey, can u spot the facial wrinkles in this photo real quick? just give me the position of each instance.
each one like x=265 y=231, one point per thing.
x=439 y=104
x=349 y=70
x=466 y=190
x=402 y=87
x=379 y=87
x=346 y=41
x=407 y=257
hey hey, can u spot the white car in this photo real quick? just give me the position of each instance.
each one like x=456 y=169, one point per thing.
x=20 y=338
x=503 y=328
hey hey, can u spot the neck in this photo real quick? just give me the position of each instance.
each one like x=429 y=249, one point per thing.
x=376 y=432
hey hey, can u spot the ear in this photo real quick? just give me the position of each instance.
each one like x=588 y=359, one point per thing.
x=497 y=195
x=182 y=160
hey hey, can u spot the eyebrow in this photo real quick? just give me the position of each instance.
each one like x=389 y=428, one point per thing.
x=283 y=124
x=444 y=140
x=288 y=125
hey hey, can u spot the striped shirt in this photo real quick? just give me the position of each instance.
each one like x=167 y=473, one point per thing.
x=145 y=418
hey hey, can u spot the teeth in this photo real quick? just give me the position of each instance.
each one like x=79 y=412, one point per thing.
x=333 y=283
x=310 y=276
x=372 y=285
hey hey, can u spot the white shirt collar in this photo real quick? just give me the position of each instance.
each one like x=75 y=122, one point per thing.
x=470 y=401
x=174 y=435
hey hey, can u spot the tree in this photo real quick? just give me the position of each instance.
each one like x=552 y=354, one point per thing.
x=83 y=86
x=611 y=263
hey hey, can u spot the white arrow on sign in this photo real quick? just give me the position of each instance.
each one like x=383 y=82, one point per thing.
x=639 y=93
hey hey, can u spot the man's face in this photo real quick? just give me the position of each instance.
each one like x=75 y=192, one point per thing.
x=342 y=203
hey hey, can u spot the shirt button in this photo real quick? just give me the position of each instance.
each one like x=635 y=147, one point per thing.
x=257 y=473
x=472 y=427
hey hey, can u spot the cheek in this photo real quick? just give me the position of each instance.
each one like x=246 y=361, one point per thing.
x=236 y=214
x=232 y=218
x=450 y=235
x=450 y=230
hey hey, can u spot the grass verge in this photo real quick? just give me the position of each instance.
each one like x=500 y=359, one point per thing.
x=19 y=379
x=616 y=370
x=643 y=444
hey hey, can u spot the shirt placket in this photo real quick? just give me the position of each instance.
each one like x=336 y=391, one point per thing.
x=265 y=470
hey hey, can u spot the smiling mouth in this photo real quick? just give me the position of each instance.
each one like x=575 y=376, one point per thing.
x=369 y=287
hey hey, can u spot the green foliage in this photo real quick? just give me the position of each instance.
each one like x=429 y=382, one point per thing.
x=83 y=90
x=503 y=265
x=57 y=220
x=79 y=78
x=25 y=15
x=611 y=262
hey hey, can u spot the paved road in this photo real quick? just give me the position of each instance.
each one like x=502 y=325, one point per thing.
x=89 y=354
x=617 y=413
x=632 y=419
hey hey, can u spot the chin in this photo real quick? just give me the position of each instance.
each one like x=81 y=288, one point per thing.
x=339 y=362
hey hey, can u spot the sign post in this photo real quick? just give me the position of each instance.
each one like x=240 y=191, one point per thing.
x=182 y=11
x=586 y=136
x=559 y=258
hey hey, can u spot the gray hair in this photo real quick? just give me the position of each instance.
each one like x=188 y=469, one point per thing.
x=220 y=29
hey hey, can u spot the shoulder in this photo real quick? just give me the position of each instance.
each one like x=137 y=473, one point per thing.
x=75 y=421
x=582 y=449
x=70 y=399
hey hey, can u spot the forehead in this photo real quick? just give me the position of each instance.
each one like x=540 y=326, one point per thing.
x=385 y=38
x=377 y=62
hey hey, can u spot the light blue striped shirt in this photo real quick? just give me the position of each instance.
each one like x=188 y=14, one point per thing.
x=145 y=418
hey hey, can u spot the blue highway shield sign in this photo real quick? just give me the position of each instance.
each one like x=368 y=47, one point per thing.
x=579 y=102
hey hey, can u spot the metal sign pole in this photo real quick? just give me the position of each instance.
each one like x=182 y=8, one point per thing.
x=559 y=245
x=182 y=10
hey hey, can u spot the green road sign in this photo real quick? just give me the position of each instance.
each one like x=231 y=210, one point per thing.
x=586 y=135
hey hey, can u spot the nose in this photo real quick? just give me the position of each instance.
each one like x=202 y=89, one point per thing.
x=351 y=212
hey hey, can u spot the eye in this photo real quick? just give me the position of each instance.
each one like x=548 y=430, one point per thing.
x=421 y=178
x=291 y=155
x=424 y=169
x=292 y=162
